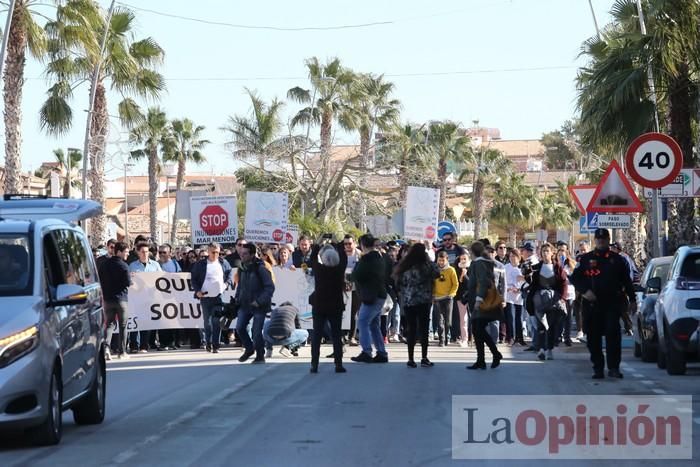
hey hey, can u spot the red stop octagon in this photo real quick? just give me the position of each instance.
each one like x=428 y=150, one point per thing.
x=213 y=220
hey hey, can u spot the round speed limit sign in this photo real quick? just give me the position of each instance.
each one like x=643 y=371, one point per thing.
x=653 y=160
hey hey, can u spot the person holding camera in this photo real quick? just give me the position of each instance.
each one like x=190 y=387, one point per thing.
x=254 y=299
x=209 y=279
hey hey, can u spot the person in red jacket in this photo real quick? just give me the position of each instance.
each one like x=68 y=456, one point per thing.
x=545 y=299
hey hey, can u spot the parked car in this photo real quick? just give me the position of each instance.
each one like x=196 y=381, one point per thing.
x=51 y=318
x=678 y=311
x=644 y=319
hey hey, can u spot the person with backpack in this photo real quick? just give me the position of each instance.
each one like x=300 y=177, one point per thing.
x=254 y=298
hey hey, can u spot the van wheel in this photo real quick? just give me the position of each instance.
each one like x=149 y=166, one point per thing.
x=661 y=354
x=675 y=359
x=50 y=431
x=637 y=350
x=649 y=353
x=91 y=410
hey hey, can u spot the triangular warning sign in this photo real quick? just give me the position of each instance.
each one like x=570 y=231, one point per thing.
x=614 y=193
x=582 y=195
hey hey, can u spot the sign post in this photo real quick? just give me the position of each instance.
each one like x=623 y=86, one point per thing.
x=654 y=160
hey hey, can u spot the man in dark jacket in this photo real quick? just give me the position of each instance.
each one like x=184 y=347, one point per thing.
x=370 y=277
x=284 y=329
x=302 y=255
x=254 y=298
x=209 y=280
x=115 y=279
x=450 y=247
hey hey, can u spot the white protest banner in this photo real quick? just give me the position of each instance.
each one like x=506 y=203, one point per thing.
x=214 y=219
x=421 y=219
x=265 y=216
x=292 y=235
x=295 y=287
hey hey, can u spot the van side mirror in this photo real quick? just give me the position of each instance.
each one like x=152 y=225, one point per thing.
x=653 y=285
x=69 y=294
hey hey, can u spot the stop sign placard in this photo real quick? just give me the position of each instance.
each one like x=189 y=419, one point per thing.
x=213 y=220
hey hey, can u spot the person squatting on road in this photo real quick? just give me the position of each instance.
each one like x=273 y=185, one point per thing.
x=284 y=329
x=327 y=301
x=254 y=298
x=603 y=279
x=209 y=279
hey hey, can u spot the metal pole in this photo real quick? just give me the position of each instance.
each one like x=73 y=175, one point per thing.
x=126 y=206
x=167 y=191
x=306 y=150
x=658 y=243
x=93 y=91
x=68 y=170
x=595 y=21
x=6 y=35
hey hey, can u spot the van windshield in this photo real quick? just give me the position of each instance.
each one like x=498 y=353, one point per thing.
x=15 y=265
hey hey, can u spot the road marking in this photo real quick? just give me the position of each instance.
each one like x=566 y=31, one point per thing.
x=648 y=382
x=173 y=365
x=659 y=391
x=637 y=375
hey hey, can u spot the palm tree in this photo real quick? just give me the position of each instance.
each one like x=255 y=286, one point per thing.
x=70 y=163
x=614 y=93
x=556 y=213
x=445 y=141
x=330 y=84
x=515 y=206
x=152 y=133
x=256 y=137
x=184 y=144
x=486 y=166
x=128 y=67
x=25 y=35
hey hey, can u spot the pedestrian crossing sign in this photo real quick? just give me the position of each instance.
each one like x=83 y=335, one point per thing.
x=614 y=193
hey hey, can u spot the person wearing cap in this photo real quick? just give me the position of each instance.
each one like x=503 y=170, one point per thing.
x=527 y=251
x=602 y=277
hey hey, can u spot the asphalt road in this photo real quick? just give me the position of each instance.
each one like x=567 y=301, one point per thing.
x=193 y=408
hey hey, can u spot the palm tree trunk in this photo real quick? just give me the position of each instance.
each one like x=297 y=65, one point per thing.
x=179 y=183
x=14 y=79
x=99 y=128
x=442 y=180
x=478 y=207
x=403 y=179
x=326 y=124
x=153 y=180
x=364 y=155
x=512 y=235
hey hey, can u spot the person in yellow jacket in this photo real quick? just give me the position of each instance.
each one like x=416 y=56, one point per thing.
x=444 y=292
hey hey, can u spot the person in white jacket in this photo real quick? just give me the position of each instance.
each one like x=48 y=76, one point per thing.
x=514 y=299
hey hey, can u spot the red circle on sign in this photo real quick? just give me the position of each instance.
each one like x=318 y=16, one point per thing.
x=288 y=238
x=430 y=232
x=213 y=220
x=662 y=138
x=277 y=235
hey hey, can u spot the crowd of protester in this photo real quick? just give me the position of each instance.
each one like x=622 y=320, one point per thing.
x=416 y=293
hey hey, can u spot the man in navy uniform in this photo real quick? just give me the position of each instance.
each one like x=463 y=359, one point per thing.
x=602 y=277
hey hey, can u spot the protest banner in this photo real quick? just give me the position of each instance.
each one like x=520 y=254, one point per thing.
x=161 y=300
x=214 y=219
x=266 y=216
x=421 y=218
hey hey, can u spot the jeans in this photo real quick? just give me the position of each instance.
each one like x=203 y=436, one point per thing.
x=394 y=319
x=335 y=321
x=514 y=314
x=509 y=321
x=117 y=311
x=444 y=316
x=257 y=343
x=464 y=332
x=212 y=326
x=368 y=326
x=416 y=326
x=354 y=307
x=548 y=337
x=140 y=340
x=297 y=338
x=565 y=326
x=532 y=329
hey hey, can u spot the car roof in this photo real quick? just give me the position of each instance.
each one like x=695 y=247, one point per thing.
x=13 y=226
x=661 y=260
x=33 y=209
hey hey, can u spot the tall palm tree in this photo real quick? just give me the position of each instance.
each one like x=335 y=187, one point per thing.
x=152 y=134
x=448 y=145
x=184 y=144
x=256 y=136
x=25 y=35
x=515 y=206
x=556 y=213
x=614 y=94
x=486 y=166
x=128 y=68
x=71 y=163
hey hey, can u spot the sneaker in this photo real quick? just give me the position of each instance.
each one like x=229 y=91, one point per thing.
x=579 y=335
x=425 y=363
x=246 y=355
x=268 y=353
x=394 y=340
x=352 y=342
x=582 y=339
x=294 y=352
x=381 y=358
x=567 y=342
x=208 y=348
x=411 y=364
x=598 y=375
x=340 y=369
x=284 y=351
x=108 y=355
x=615 y=374
x=123 y=356
x=541 y=354
x=258 y=360
x=362 y=358
x=143 y=351
x=215 y=350
x=550 y=355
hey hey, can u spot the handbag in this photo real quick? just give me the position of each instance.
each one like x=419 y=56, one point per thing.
x=491 y=307
x=388 y=305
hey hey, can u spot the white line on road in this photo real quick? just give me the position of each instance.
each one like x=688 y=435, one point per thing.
x=659 y=391
x=173 y=365
x=648 y=382
x=638 y=375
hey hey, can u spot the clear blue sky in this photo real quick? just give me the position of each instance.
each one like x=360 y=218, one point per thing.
x=424 y=37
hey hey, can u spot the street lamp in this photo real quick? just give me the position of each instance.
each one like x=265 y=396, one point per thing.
x=127 y=165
